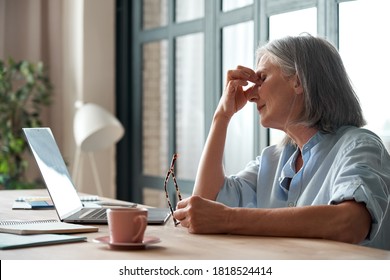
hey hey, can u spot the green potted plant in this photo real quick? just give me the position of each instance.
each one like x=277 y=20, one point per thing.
x=24 y=89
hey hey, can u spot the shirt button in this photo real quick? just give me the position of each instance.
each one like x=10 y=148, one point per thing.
x=291 y=204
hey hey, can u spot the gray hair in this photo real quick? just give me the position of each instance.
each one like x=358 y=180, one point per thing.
x=330 y=100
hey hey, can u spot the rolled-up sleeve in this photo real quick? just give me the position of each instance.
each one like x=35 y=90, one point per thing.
x=363 y=177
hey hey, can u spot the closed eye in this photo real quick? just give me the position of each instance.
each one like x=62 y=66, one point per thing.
x=262 y=74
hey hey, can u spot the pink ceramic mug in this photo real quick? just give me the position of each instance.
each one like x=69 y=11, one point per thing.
x=127 y=225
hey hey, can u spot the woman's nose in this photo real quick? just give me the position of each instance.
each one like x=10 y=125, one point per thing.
x=253 y=93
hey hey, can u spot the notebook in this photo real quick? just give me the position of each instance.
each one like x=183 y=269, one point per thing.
x=13 y=241
x=42 y=226
x=61 y=189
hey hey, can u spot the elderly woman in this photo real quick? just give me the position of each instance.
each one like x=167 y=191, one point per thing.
x=329 y=178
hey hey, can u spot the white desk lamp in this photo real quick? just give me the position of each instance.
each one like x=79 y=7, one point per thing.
x=94 y=129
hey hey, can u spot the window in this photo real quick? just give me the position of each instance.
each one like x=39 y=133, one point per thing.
x=238 y=49
x=189 y=103
x=171 y=67
x=186 y=10
x=155 y=13
x=366 y=57
x=228 y=5
x=154 y=108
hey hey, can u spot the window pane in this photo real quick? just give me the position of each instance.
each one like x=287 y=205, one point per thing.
x=364 y=45
x=238 y=50
x=292 y=23
x=155 y=13
x=189 y=10
x=155 y=108
x=189 y=88
x=235 y=4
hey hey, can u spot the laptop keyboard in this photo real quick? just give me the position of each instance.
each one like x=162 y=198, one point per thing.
x=95 y=214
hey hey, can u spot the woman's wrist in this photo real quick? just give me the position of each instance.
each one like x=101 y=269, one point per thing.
x=221 y=117
x=231 y=214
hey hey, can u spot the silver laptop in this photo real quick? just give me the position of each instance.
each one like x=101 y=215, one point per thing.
x=61 y=188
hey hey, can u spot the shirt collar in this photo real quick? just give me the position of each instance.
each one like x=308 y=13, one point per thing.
x=289 y=168
x=313 y=141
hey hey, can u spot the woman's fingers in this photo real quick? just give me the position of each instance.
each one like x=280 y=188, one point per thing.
x=240 y=83
x=243 y=73
x=202 y=215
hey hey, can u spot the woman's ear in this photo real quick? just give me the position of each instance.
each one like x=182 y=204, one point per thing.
x=297 y=84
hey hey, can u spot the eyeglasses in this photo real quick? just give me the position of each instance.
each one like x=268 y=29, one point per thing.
x=172 y=173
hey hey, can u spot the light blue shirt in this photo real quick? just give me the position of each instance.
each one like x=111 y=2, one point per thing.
x=351 y=164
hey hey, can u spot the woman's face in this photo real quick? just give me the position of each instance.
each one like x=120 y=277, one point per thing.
x=278 y=98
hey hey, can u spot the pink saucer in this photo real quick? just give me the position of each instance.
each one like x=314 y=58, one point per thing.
x=127 y=246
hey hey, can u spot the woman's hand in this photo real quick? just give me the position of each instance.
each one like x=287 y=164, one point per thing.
x=235 y=97
x=201 y=215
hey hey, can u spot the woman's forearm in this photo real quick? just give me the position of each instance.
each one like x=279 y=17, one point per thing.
x=346 y=222
x=211 y=175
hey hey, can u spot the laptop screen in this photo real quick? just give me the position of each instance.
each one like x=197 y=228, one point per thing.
x=53 y=170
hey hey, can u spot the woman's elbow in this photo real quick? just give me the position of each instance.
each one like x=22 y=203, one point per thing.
x=355 y=223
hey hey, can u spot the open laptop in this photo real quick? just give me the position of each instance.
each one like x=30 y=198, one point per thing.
x=61 y=188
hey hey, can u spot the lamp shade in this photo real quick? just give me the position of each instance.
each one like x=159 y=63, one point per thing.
x=95 y=128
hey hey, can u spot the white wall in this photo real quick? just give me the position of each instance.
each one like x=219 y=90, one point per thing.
x=75 y=39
